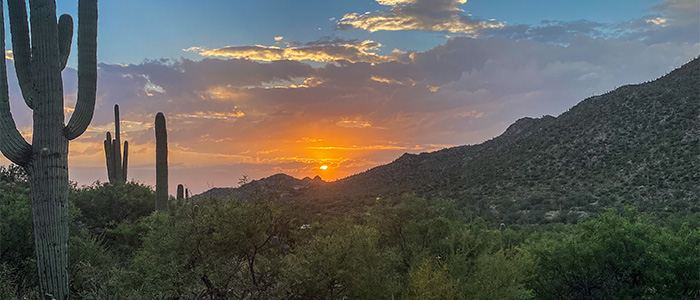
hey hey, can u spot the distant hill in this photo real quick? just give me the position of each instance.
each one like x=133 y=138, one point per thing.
x=638 y=145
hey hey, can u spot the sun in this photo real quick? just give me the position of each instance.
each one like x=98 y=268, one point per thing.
x=324 y=167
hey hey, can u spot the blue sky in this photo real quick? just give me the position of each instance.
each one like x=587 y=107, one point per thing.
x=288 y=86
x=134 y=30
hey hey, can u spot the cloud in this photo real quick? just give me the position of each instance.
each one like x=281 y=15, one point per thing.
x=324 y=50
x=224 y=115
x=227 y=116
x=550 y=31
x=671 y=21
x=421 y=15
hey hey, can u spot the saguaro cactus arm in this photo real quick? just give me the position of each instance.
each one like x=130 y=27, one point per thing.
x=12 y=144
x=21 y=49
x=87 y=69
x=125 y=161
x=65 y=38
x=108 y=156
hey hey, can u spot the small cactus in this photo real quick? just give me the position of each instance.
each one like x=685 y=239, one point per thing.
x=116 y=164
x=180 y=192
x=161 y=163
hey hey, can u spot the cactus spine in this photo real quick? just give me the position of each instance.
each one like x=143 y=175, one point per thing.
x=116 y=164
x=161 y=163
x=39 y=61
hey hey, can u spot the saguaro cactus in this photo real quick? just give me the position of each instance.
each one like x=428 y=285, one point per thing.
x=161 y=163
x=39 y=61
x=116 y=164
x=180 y=192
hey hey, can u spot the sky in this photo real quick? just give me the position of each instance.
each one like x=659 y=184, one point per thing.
x=287 y=86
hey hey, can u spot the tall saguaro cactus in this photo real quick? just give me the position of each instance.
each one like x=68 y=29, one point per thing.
x=161 y=163
x=116 y=164
x=39 y=60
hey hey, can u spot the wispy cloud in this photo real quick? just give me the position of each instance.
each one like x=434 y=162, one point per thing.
x=213 y=115
x=670 y=21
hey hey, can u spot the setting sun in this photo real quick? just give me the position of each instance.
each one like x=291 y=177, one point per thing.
x=324 y=167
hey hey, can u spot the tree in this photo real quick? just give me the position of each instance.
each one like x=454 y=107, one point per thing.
x=620 y=256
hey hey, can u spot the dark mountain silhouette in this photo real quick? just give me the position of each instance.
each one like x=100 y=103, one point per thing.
x=637 y=145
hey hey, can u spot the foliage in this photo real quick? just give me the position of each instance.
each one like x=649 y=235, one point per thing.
x=341 y=261
x=404 y=248
x=104 y=205
x=430 y=281
x=624 y=256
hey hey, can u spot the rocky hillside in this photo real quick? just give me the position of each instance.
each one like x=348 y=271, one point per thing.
x=638 y=145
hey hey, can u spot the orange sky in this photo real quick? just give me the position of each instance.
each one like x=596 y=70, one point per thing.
x=347 y=88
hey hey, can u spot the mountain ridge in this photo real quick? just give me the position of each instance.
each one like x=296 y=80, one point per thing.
x=637 y=144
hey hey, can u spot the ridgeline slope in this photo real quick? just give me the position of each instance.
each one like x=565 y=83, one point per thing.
x=637 y=145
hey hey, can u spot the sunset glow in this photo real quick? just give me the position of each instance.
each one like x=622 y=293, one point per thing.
x=252 y=88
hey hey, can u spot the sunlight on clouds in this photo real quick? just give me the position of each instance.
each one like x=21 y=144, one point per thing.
x=9 y=55
x=322 y=51
x=422 y=15
x=390 y=81
x=356 y=124
x=151 y=88
x=278 y=38
x=657 y=21
x=374 y=23
x=395 y=2
x=219 y=93
x=212 y=115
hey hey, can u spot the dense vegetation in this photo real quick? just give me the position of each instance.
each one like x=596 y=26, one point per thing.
x=637 y=145
x=398 y=248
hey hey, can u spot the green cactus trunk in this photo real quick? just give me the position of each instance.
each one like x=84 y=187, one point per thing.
x=180 y=192
x=39 y=62
x=161 y=163
x=116 y=163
